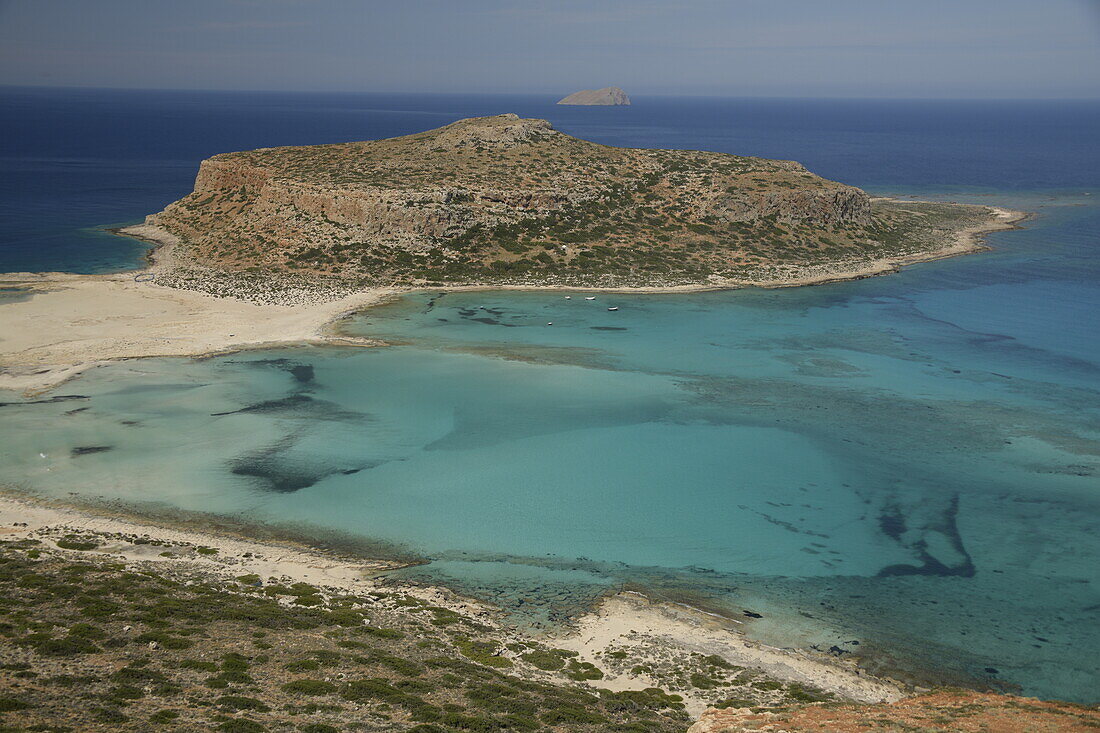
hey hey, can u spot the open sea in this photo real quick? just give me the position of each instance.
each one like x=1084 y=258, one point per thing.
x=904 y=467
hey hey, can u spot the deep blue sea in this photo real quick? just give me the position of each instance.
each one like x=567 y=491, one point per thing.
x=909 y=462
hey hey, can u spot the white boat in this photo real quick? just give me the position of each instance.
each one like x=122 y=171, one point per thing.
x=569 y=297
x=614 y=309
x=551 y=323
x=590 y=297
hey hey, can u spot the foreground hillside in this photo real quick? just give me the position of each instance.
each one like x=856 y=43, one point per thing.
x=107 y=624
x=95 y=644
x=505 y=200
x=147 y=629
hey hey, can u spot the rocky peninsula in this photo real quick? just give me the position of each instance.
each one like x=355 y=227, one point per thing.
x=606 y=97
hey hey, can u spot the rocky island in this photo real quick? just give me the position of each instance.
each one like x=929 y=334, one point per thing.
x=606 y=97
x=509 y=201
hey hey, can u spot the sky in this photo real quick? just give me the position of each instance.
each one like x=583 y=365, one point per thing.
x=774 y=48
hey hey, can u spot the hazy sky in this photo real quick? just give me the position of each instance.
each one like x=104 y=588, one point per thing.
x=852 y=48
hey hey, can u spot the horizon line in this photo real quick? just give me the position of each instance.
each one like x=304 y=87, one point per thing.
x=548 y=95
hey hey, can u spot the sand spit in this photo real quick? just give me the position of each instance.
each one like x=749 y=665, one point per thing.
x=76 y=322
x=632 y=621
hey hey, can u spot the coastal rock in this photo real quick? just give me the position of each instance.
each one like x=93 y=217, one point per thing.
x=608 y=96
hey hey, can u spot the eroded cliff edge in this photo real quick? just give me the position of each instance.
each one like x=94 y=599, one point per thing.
x=504 y=200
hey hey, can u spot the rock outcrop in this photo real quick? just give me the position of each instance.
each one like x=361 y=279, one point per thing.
x=608 y=97
x=505 y=199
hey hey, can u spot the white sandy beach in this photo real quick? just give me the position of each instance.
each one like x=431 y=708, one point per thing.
x=75 y=322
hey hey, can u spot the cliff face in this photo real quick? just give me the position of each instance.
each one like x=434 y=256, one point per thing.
x=608 y=96
x=504 y=199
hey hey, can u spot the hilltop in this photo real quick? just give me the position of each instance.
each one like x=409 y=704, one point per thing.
x=504 y=200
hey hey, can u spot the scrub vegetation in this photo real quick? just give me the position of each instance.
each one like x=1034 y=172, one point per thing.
x=89 y=643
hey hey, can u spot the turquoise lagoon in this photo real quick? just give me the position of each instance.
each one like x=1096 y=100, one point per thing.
x=909 y=462
x=904 y=467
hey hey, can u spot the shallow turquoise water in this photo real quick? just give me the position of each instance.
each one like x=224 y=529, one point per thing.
x=909 y=462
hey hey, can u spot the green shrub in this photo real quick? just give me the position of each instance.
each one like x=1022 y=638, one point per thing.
x=326 y=658
x=713 y=660
x=651 y=698
x=76 y=542
x=124 y=692
x=87 y=631
x=345 y=617
x=397 y=664
x=482 y=652
x=164 y=639
x=197 y=665
x=137 y=674
x=109 y=715
x=309 y=687
x=302 y=665
x=802 y=693
x=471 y=723
x=571 y=714
x=164 y=716
x=703 y=682
x=234 y=662
x=550 y=660
x=65 y=647
x=380 y=632
x=581 y=671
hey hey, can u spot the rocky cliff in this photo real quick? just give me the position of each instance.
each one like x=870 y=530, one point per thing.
x=504 y=199
x=608 y=96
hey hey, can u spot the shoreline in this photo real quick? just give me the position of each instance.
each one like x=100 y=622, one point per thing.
x=122 y=318
x=622 y=620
